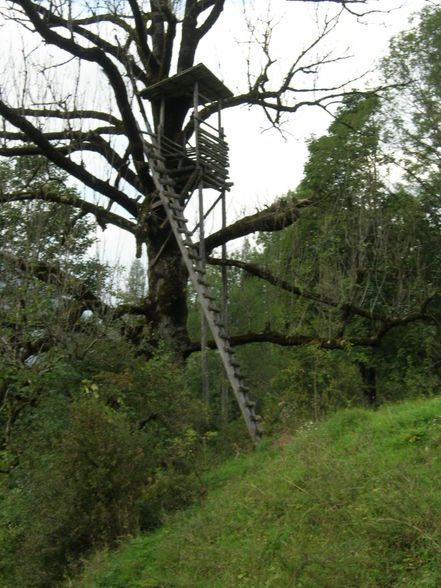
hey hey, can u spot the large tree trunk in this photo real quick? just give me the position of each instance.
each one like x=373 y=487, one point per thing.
x=167 y=276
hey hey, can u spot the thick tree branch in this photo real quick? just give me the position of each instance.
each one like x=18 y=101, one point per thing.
x=53 y=274
x=210 y=21
x=168 y=46
x=94 y=145
x=279 y=215
x=189 y=40
x=72 y=114
x=63 y=135
x=297 y=340
x=98 y=18
x=148 y=59
x=115 y=50
x=272 y=101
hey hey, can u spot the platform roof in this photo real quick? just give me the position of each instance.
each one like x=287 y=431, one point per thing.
x=182 y=84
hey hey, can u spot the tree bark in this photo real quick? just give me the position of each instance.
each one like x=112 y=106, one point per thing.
x=167 y=281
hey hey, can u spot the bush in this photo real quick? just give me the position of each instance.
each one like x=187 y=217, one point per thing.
x=78 y=494
x=98 y=458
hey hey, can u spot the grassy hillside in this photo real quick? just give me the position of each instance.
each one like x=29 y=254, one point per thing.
x=352 y=502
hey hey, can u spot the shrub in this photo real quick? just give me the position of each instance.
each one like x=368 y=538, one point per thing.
x=78 y=494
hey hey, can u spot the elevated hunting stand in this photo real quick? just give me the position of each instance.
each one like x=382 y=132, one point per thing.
x=180 y=169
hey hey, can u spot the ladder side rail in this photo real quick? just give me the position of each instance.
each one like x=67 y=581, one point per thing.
x=219 y=335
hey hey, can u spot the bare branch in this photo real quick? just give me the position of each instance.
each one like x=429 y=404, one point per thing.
x=115 y=50
x=63 y=135
x=207 y=25
x=98 y=56
x=72 y=114
x=102 y=215
x=65 y=163
x=347 y=5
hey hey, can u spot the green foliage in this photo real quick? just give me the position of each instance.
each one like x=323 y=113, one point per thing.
x=43 y=257
x=38 y=229
x=409 y=363
x=154 y=393
x=76 y=488
x=100 y=443
x=102 y=453
x=414 y=107
x=313 y=384
x=352 y=502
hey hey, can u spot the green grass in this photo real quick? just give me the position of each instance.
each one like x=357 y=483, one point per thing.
x=352 y=502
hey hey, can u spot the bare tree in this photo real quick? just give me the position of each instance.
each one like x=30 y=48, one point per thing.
x=79 y=99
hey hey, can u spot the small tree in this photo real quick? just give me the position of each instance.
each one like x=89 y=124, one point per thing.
x=136 y=288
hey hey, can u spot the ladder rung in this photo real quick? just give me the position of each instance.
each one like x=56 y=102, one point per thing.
x=184 y=231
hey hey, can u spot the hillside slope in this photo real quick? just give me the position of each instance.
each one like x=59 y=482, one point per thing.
x=352 y=502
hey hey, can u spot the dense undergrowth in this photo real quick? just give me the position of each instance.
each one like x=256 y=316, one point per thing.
x=352 y=502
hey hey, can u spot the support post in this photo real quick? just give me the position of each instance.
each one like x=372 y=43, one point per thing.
x=202 y=255
x=225 y=386
x=224 y=289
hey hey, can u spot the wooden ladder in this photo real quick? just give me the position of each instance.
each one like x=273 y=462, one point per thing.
x=170 y=200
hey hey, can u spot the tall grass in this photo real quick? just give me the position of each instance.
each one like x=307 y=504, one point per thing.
x=352 y=502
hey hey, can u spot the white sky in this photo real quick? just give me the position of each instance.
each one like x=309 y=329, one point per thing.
x=264 y=164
